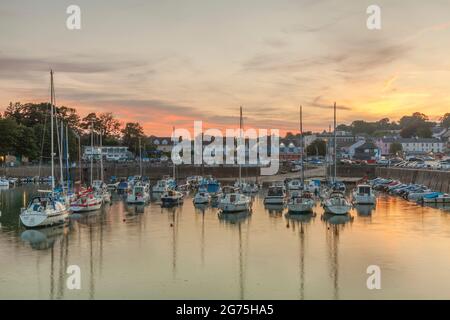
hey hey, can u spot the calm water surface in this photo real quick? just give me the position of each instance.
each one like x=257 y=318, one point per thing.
x=127 y=252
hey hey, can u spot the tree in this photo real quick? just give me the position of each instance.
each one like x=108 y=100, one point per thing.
x=415 y=125
x=318 y=146
x=395 y=148
x=109 y=125
x=131 y=134
x=26 y=144
x=446 y=120
x=104 y=124
x=9 y=136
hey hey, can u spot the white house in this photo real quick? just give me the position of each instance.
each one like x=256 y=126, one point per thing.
x=110 y=153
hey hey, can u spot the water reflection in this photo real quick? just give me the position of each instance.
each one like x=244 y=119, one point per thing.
x=133 y=209
x=299 y=223
x=364 y=210
x=335 y=224
x=237 y=220
x=44 y=238
x=160 y=253
x=275 y=210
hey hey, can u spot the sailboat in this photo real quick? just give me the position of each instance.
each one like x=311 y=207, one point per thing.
x=236 y=201
x=99 y=186
x=336 y=202
x=172 y=197
x=88 y=199
x=301 y=201
x=45 y=209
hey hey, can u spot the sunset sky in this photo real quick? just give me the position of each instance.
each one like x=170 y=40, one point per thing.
x=168 y=63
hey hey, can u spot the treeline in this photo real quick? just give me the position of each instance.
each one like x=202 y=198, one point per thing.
x=25 y=130
x=415 y=125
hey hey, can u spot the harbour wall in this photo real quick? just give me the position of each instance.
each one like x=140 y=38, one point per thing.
x=355 y=171
x=131 y=169
x=433 y=179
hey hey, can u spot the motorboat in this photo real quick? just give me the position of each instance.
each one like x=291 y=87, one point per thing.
x=164 y=185
x=337 y=204
x=294 y=185
x=123 y=186
x=140 y=194
x=113 y=183
x=171 y=198
x=436 y=197
x=301 y=202
x=250 y=187
x=202 y=197
x=275 y=195
x=212 y=186
x=312 y=186
x=101 y=189
x=4 y=182
x=363 y=194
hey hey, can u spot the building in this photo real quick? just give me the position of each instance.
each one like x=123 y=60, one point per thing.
x=412 y=145
x=367 y=151
x=289 y=152
x=110 y=153
x=348 y=150
x=163 y=144
x=343 y=138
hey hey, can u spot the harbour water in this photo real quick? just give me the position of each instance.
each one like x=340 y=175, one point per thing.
x=129 y=252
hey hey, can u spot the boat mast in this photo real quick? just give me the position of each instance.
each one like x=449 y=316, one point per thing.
x=302 y=146
x=329 y=154
x=140 y=158
x=173 y=162
x=335 y=145
x=240 y=139
x=101 y=157
x=58 y=138
x=92 y=149
x=61 y=153
x=51 y=130
x=67 y=156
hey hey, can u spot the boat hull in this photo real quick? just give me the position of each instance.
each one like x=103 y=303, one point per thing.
x=171 y=201
x=274 y=200
x=43 y=220
x=300 y=208
x=234 y=208
x=86 y=207
x=137 y=200
x=364 y=199
x=337 y=209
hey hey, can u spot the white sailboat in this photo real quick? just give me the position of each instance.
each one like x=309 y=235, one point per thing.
x=235 y=201
x=336 y=202
x=301 y=201
x=88 y=199
x=45 y=210
x=99 y=186
x=172 y=197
